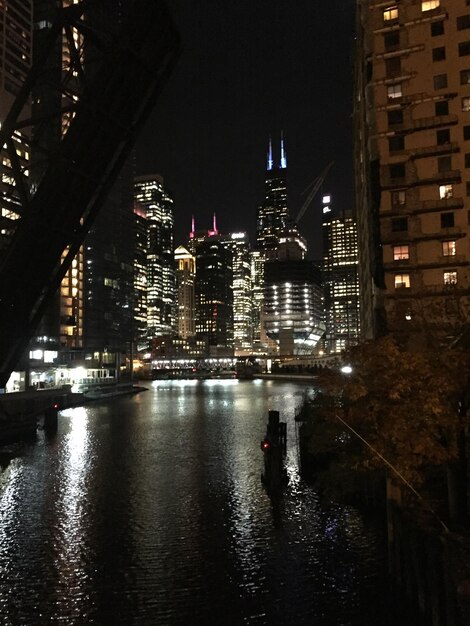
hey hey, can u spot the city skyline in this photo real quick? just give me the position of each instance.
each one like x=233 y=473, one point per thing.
x=260 y=70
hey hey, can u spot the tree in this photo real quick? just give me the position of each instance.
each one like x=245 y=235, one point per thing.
x=410 y=406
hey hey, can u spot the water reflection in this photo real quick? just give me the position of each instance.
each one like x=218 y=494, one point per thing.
x=150 y=510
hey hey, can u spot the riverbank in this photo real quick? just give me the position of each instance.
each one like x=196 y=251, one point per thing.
x=21 y=411
x=294 y=377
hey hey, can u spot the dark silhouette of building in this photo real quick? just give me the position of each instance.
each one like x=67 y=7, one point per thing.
x=214 y=293
x=272 y=215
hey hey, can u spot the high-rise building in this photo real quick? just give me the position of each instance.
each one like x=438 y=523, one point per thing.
x=293 y=296
x=139 y=248
x=258 y=258
x=412 y=143
x=150 y=192
x=185 y=278
x=242 y=294
x=340 y=279
x=214 y=293
x=16 y=49
x=272 y=215
x=109 y=275
x=272 y=218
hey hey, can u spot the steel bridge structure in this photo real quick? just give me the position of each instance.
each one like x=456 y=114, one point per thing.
x=105 y=95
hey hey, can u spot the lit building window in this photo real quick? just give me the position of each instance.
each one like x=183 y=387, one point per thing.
x=394 y=91
x=466 y=103
x=398 y=197
x=450 y=278
x=401 y=253
x=429 y=5
x=445 y=192
x=390 y=13
x=449 y=248
x=402 y=281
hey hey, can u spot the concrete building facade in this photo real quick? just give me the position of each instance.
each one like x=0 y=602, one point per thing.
x=412 y=155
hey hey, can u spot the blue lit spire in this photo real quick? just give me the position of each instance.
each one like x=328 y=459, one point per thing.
x=270 y=155
x=283 y=153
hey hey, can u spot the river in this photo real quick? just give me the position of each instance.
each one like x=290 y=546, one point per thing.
x=149 y=509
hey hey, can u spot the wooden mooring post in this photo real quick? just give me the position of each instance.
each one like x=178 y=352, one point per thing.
x=274 y=446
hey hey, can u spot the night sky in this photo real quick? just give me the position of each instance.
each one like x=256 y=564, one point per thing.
x=248 y=69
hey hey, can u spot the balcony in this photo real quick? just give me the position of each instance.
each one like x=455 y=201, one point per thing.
x=436 y=121
x=426 y=151
x=449 y=176
x=427 y=206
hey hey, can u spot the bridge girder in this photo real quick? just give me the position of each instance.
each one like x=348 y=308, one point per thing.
x=108 y=102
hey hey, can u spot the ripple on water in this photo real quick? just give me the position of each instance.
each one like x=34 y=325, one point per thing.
x=150 y=510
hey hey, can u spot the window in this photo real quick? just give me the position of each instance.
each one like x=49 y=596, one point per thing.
x=465 y=77
x=464 y=48
x=392 y=39
x=401 y=253
x=466 y=132
x=439 y=54
x=390 y=13
x=463 y=22
x=394 y=91
x=398 y=198
x=447 y=220
x=442 y=136
x=402 y=281
x=466 y=104
x=448 y=248
x=395 y=117
x=440 y=81
x=450 y=278
x=396 y=143
x=437 y=28
x=397 y=170
x=444 y=164
x=429 y=5
x=468 y=188
x=393 y=67
x=399 y=224
x=445 y=192
x=467 y=161
x=442 y=107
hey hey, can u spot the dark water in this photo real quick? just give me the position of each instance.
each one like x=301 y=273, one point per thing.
x=150 y=510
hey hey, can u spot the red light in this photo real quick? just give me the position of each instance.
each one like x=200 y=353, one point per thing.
x=265 y=445
x=55 y=405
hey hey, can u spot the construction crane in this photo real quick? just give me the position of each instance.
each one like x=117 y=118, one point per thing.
x=116 y=74
x=315 y=186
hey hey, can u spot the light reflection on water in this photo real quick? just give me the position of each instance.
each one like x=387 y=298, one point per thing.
x=150 y=510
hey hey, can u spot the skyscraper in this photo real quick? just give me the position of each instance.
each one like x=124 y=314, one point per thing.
x=272 y=215
x=214 y=293
x=242 y=294
x=149 y=191
x=272 y=218
x=412 y=134
x=16 y=49
x=293 y=296
x=139 y=247
x=340 y=279
x=185 y=279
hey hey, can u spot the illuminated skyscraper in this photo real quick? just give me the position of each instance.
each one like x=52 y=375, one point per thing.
x=16 y=49
x=293 y=296
x=140 y=245
x=214 y=290
x=242 y=294
x=272 y=215
x=340 y=279
x=185 y=279
x=149 y=191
